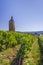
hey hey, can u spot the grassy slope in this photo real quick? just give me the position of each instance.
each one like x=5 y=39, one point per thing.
x=32 y=58
x=8 y=55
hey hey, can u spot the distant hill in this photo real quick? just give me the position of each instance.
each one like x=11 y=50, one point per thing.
x=33 y=32
x=38 y=32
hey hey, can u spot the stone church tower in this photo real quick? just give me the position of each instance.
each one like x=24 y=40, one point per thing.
x=11 y=24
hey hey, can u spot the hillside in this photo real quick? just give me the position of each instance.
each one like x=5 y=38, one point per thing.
x=33 y=32
x=20 y=49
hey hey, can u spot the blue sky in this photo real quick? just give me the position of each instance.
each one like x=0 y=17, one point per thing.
x=27 y=14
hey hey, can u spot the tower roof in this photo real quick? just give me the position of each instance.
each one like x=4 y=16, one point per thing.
x=11 y=18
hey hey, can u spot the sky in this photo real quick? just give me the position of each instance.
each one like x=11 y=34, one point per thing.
x=27 y=14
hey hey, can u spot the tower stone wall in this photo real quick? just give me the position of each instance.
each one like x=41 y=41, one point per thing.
x=11 y=24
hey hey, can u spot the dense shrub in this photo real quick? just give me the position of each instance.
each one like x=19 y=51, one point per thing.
x=10 y=39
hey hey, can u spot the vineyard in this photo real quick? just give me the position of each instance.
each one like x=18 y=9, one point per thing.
x=20 y=49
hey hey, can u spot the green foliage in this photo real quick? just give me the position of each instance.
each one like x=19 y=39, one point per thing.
x=7 y=39
x=11 y=39
x=28 y=43
x=41 y=38
x=4 y=61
